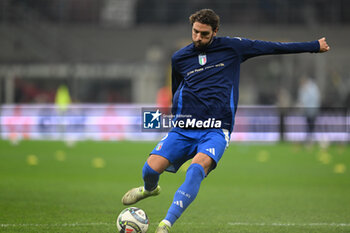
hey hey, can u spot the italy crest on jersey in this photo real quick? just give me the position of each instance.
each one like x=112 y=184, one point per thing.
x=202 y=58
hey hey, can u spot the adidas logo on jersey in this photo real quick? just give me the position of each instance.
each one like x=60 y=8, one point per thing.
x=211 y=150
x=179 y=203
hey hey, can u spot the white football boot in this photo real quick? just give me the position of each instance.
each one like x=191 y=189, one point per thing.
x=163 y=228
x=136 y=194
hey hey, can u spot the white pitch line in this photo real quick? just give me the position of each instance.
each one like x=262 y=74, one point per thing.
x=290 y=224
x=4 y=225
x=55 y=224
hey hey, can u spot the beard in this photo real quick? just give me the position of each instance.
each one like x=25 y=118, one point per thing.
x=200 y=45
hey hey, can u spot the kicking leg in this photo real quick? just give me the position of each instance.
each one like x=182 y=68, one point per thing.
x=151 y=171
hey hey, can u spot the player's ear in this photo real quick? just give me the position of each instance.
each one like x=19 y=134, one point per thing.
x=215 y=31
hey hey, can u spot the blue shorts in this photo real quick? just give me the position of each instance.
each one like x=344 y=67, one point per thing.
x=180 y=145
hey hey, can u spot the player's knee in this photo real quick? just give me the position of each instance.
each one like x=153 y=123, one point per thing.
x=204 y=160
x=158 y=163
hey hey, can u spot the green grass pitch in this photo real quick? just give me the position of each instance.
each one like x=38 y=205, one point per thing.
x=279 y=188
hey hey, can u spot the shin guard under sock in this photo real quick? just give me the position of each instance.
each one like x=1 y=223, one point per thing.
x=150 y=177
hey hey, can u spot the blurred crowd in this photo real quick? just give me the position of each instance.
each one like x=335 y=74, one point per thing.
x=116 y=22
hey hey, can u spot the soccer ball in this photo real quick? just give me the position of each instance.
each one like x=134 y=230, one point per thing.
x=132 y=220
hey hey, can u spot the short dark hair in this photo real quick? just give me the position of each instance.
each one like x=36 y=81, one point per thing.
x=206 y=16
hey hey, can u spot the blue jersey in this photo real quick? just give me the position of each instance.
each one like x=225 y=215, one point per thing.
x=205 y=82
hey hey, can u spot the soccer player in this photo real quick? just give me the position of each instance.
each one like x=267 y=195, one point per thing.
x=205 y=79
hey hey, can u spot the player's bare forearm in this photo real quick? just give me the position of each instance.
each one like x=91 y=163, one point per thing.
x=324 y=47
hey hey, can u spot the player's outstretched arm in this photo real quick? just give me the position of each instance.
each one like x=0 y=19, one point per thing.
x=324 y=47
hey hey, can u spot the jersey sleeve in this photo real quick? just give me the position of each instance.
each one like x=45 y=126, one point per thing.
x=176 y=77
x=251 y=48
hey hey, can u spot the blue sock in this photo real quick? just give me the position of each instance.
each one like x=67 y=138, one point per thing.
x=150 y=177
x=186 y=193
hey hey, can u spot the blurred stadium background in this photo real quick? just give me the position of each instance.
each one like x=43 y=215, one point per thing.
x=72 y=71
x=114 y=56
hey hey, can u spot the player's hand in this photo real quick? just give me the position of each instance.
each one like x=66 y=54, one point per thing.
x=324 y=47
